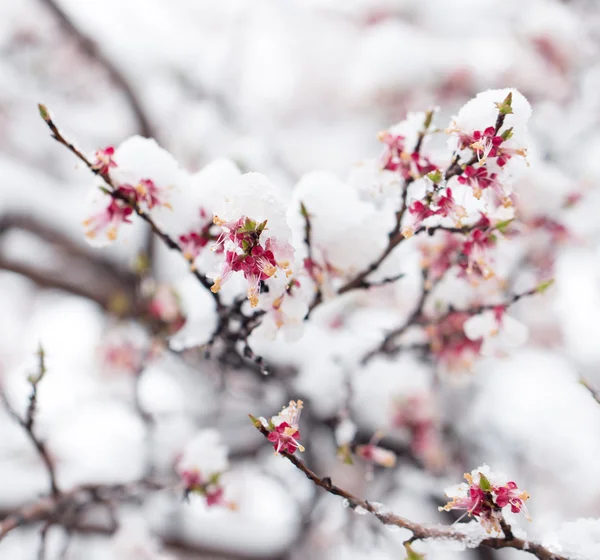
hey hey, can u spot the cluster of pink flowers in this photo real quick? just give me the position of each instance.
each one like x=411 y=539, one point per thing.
x=194 y=241
x=437 y=203
x=410 y=165
x=449 y=343
x=483 y=497
x=124 y=198
x=245 y=253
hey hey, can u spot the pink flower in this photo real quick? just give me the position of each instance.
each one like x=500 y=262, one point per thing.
x=283 y=428
x=376 y=455
x=483 y=497
x=475 y=249
x=408 y=164
x=285 y=438
x=418 y=213
x=509 y=494
x=449 y=343
x=479 y=179
x=104 y=160
x=108 y=220
x=246 y=254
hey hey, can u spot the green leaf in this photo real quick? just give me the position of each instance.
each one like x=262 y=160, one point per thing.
x=507 y=134
x=303 y=210
x=502 y=226
x=411 y=554
x=428 y=119
x=484 y=483
x=543 y=286
x=257 y=423
x=261 y=227
x=44 y=112
x=435 y=176
x=505 y=107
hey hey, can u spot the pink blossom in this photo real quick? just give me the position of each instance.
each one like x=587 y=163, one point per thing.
x=509 y=494
x=246 y=254
x=283 y=429
x=479 y=179
x=108 y=220
x=449 y=343
x=376 y=455
x=104 y=160
x=484 y=496
x=285 y=438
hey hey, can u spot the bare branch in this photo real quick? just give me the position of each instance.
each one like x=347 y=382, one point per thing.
x=28 y=423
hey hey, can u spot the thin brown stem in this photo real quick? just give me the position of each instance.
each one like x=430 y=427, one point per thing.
x=28 y=423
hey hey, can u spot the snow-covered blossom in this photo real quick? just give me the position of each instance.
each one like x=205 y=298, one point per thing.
x=256 y=237
x=483 y=497
x=246 y=252
x=490 y=132
x=496 y=330
x=401 y=143
x=203 y=461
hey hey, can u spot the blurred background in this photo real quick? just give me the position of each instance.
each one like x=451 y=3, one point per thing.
x=282 y=87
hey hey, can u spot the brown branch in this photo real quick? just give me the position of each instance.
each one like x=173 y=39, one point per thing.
x=164 y=237
x=28 y=423
x=53 y=508
x=418 y=530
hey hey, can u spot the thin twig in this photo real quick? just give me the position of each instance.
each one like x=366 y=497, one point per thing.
x=28 y=423
x=117 y=195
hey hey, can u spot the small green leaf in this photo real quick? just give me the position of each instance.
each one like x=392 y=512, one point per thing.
x=257 y=423
x=435 y=176
x=505 y=107
x=507 y=134
x=502 y=226
x=484 y=483
x=303 y=210
x=411 y=554
x=428 y=119
x=543 y=286
x=44 y=112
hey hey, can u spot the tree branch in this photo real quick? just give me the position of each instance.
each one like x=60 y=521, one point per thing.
x=28 y=423
x=418 y=530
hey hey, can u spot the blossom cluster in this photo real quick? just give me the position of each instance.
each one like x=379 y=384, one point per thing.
x=484 y=495
x=283 y=428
